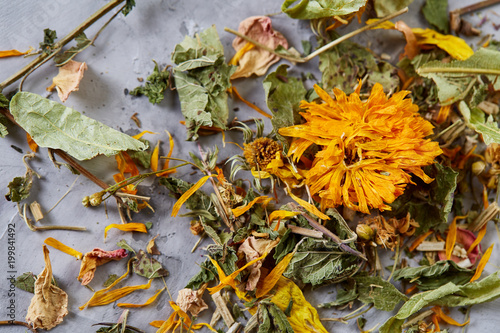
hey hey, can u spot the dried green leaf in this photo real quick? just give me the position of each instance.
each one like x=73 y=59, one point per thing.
x=274 y=320
x=283 y=96
x=436 y=13
x=56 y=126
x=475 y=119
x=148 y=267
x=434 y=276
x=26 y=282
x=198 y=201
x=82 y=42
x=109 y=281
x=344 y=296
x=124 y=245
x=142 y=157
x=454 y=78
x=383 y=294
x=129 y=5
x=384 y=7
x=49 y=37
x=156 y=85
x=4 y=101
x=19 y=188
x=202 y=78
x=206 y=274
x=313 y=9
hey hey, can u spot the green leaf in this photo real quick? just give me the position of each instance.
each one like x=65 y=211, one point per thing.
x=49 y=37
x=56 y=126
x=344 y=296
x=142 y=157
x=82 y=42
x=454 y=79
x=313 y=9
x=19 y=188
x=156 y=85
x=198 y=201
x=286 y=245
x=383 y=294
x=273 y=319
x=26 y=282
x=129 y=5
x=429 y=204
x=450 y=295
x=206 y=274
x=436 y=13
x=433 y=277
x=283 y=97
x=321 y=261
x=202 y=78
x=3 y=128
x=148 y=267
x=109 y=281
x=385 y=7
x=474 y=119
x=4 y=101
x=124 y=245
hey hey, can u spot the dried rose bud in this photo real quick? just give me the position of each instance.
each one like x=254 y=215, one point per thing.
x=86 y=201
x=96 y=199
x=478 y=167
x=364 y=232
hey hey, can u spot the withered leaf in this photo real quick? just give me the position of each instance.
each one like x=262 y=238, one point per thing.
x=49 y=305
x=68 y=79
x=26 y=282
x=148 y=267
x=124 y=245
x=111 y=278
x=97 y=257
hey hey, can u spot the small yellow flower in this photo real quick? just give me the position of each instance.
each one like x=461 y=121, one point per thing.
x=366 y=149
x=261 y=152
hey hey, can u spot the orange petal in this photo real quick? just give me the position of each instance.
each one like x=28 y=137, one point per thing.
x=253 y=106
x=138 y=136
x=63 y=248
x=309 y=207
x=12 y=53
x=272 y=278
x=167 y=161
x=154 y=157
x=31 y=143
x=238 y=211
x=478 y=240
x=188 y=193
x=437 y=310
x=482 y=263
x=419 y=240
x=149 y=301
x=451 y=238
x=139 y=227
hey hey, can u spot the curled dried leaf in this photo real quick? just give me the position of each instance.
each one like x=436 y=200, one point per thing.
x=97 y=257
x=68 y=79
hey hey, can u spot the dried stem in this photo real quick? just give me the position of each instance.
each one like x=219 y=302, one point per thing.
x=18 y=323
x=476 y=6
x=65 y=40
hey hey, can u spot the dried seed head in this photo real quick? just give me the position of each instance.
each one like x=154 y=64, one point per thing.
x=86 y=201
x=364 y=232
x=261 y=152
x=96 y=199
x=478 y=167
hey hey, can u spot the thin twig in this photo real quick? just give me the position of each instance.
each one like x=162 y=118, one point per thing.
x=396 y=259
x=64 y=195
x=18 y=323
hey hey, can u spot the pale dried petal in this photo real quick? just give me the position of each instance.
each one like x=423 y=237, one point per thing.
x=49 y=305
x=97 y=257
x=190 y=300
x=253 y=248
x=256 y=60
x=68 y=79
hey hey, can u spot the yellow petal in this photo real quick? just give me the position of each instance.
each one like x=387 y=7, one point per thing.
x=482 y=263
x=243 y=209
x=242 y=51
x=154 y=157
x=63 y=248
x=437 y=310
x=260 y=174
x=229 y=280
x=167 y=161
x=138 y=136
x=303 y=317
x=453 y=45
x=188 y=193
x=282 y=215
x=139 y=227
x=31 y=143
x=451 y=238
x=15 y=53
x=478 y=240
x=149 y=301
x=309 y=207
x=113 y=295
x=272 y=278
x=253 y=106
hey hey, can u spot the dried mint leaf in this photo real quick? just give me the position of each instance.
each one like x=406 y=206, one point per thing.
x=4 y=101
x=314 y=9
x=148 y=267
x=109 y=281
x=475 y=119
x=129 y=5
x=26 y=282
x=202 y=78
x=198 y=201
x=19 y=188
x=156 y=85
x=435 y=276
x=206 y=274
x=273 y=319
x=283 y=96
x=344 y=296
x=49 y=37
x=436 y=13
x=383 y=294
x=384 y=7
x=82 y=42
x=124 y=245
x=56 y=126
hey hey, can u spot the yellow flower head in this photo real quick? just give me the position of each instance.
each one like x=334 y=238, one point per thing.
x=366 y=149
x=261 y=152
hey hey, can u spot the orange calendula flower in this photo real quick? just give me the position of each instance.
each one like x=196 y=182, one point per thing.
x=366 y=149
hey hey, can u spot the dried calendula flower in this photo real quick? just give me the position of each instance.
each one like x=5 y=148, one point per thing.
x=367 y=150
x=492 y=156
x=261 y=152
x=49 y=305
x=97 y=257
x=387 y=231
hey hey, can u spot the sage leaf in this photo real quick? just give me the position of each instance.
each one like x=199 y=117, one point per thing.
x=56 y=126
x=148 y=267
x=283 y=97
x=475 y=119
x=454 y=79
x=434 y=276
x=436 y=13
x=383 y=294
x=314 y=9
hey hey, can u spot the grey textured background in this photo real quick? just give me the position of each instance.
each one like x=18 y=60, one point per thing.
x=123 y=53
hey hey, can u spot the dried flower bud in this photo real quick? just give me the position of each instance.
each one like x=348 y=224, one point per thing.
x=86 y=201
x=96 y=199
x=196 y=228
x=364 y=232
x=478 y=167
x=492 y=154
x=261 y=152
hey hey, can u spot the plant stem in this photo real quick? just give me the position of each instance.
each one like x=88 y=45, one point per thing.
x=396 y=258
x=476 y=6
x=458 y=70
x=65 y=40
x=18 y=323
x=322 y=49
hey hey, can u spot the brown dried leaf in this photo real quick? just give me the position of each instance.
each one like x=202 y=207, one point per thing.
x=49 y=305
x=256 y=60
x=97 y=257
x=190 y=300
x=411 y=48
x=253 y=248
x=151 y=247
x=68 y=79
